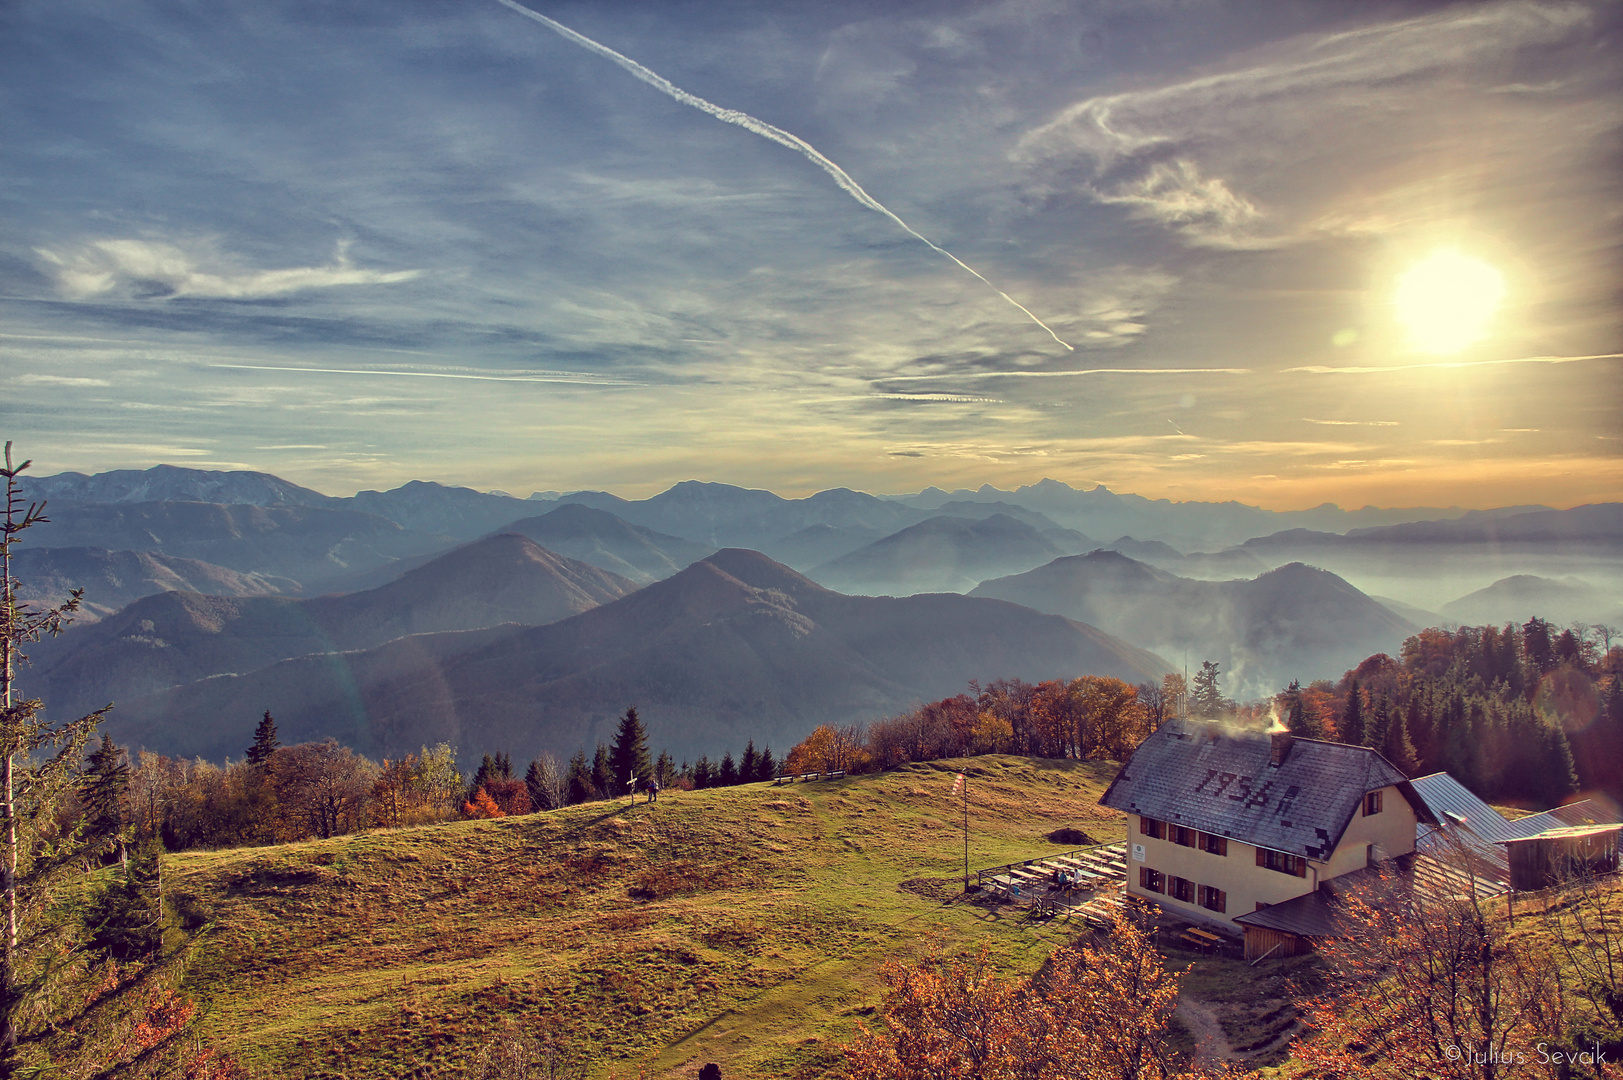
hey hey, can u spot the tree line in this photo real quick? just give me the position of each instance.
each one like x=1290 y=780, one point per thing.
x=1090 y=717
x=1529 y=713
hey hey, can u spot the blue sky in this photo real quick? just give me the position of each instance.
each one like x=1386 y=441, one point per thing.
x=360 y=243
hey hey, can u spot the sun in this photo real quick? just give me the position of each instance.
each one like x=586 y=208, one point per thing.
x=1447 y=301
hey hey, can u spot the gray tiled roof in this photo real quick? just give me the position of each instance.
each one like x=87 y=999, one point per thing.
x=1220 y=781
x=1315 y=914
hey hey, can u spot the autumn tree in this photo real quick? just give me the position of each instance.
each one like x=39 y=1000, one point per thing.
x=827 y=749
x=1100 y=1010
x=39 y=768
x=1426 y=984
x=547 y=783
x=321 y=788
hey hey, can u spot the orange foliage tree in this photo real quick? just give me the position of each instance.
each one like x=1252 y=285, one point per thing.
x=828 y=749
x=1095 y=1012
x=1430 y=985
x=482 y=806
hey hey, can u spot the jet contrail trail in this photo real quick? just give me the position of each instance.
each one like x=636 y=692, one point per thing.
x=766 y=131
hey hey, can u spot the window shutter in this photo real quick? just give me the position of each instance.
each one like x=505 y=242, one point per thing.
x=1262 y=854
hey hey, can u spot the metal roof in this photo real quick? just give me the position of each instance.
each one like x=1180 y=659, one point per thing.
x=1473 y=828
x=1220 y=780
x=1573 y=832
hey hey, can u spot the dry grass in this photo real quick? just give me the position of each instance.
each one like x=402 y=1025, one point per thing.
x=743 y=926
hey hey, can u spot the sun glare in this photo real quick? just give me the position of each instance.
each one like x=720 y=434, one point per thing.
x=1447 y=300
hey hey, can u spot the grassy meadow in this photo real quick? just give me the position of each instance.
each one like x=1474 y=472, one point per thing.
x=741 y=925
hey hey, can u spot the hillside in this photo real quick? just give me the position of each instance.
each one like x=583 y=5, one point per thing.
x=1293 y=622
x=309 y=544
x=741 y=925
x=945 y=554
x=180 y=637
x=602 y=539
x=735 y=647
x=114 y=579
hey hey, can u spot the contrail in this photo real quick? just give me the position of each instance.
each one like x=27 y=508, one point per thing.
x=767 y=131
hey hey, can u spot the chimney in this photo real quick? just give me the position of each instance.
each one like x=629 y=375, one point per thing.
x=1280 y=737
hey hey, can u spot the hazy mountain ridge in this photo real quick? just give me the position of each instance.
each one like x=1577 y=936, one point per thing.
x=735 y=646
x=114 y=579
x=604 y=540
x=1293 y=622
x=944 y=554
x=181 y=637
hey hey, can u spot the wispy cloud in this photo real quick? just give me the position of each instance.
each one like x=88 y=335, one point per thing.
x=33 y=379
x=586 y=377
x=1065 y=374
x=158 y=268
x=1388 y=369
x=1352 y=423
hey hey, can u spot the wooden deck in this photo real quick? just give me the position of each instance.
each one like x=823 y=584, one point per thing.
x=1095 y=891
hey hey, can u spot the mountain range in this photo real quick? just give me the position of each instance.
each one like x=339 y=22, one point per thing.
x=733 y=647
x=173 y=638
x=1295 y=622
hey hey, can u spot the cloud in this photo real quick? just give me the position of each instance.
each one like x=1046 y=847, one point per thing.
x=1066 y=374
x=1383 y=369
x=155 y=268
x=478 y=376
x=1351 y=423
x=30 y=379
x=1183 y=154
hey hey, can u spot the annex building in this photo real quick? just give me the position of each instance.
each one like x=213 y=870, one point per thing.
x=1244 y=830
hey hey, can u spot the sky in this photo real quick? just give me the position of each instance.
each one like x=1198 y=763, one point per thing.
x=1279 y=252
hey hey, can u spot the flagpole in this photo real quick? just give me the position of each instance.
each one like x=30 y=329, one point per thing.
x=966 y=835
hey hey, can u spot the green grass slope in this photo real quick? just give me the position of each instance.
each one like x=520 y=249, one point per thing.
x=743 y=926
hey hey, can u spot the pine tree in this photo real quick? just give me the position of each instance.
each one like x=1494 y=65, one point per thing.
x=767 y=767
x=124 y=917
x=34 y=781
x=581 y=787
x=1379 y=721
x=1351 y=728
x=504 y=767
x=630 y=755
x=107 y=781
x=1398 y=748
x=603 y=773
x=702 y=776
x=536 y=787
x=665 y=769
x=1206 y=701
x=265 y=743
x=727 y=775
x=489 y=769
x=749 y=765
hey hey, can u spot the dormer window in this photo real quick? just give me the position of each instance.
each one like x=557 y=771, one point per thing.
x=1372 y=804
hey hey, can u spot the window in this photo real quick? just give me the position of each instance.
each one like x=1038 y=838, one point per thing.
x=1180 y=835
x=1151 y=827
x=1181 y=889
x=1285 y=864
x=1372 y=804
x=1150 y=879
x=1217 y=845
x=1213 y=899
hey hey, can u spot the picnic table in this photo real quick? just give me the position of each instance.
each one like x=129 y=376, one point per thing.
x=1201 y=939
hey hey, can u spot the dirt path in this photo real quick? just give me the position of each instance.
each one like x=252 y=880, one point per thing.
x=1211 y=1046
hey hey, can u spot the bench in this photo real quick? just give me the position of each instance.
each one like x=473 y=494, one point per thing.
x=1201 y=939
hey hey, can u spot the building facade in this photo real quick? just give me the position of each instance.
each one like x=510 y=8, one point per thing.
x=1223 y=823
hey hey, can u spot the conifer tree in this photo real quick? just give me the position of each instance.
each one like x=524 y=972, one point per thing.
x=665 y=769
x=727 y=774
x=124 y=916
x=702 y=776
x=630 y=755
x=749 y=765
x=34 y=780
x=1351 y=728
x=1379 y=721
x=603 y=773
x=265 y=742
x=536 y=787
x=1206 y=701
x=767 y=767
x=107 y=781
x=581 y=787
x=1398 y=749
